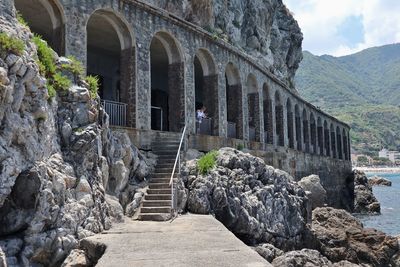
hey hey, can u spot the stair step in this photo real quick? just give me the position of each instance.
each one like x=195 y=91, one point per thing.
x=162 y=180
x=157 y=203
x=164 y=175
x=165 y=165
x=158 y=191
x=154 y=217
x=158 y=197
x=155 y=210
x=163 y=170
x=165 y=153
x=159 y=186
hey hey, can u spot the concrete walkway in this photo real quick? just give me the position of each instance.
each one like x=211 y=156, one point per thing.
x=190 y=240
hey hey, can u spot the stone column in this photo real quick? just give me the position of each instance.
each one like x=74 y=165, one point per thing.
x=306 y=135
x=285 y=129
x=261 y=117
x=254 y=112
x=222 y=105
x=190 y=101
x=143 y=106
x=128 y=84
x=176 y=99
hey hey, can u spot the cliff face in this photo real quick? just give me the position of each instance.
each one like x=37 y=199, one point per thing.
x=264 y=29
x=63 y=174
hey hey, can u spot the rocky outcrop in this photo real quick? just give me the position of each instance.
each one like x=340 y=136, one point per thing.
x=340 y=236
x=268 y=251
x=256 y=202
x=266 y=30
x=377 y=180
x=364 y=199
x=58 y=161
x=300 y=258
x=313 y=185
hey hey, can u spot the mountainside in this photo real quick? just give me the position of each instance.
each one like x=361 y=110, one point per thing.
x=362 y=89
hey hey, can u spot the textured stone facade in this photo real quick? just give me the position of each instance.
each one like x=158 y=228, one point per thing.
x=279 y=116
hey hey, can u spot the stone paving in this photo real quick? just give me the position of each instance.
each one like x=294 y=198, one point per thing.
x=189 y=240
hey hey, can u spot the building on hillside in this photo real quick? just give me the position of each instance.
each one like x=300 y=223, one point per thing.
x=393 y=156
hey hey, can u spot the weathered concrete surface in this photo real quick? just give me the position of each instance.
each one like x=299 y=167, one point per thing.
x=189 y=240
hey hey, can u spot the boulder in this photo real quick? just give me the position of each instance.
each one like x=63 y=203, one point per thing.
x=364 y=199
x=301 y=258
x=312 y=184
x=377 y=180
x=3 y=262
x=340 y=236
x=268 y=251
x=191 y=154
x=258 y=203
x=77 y=258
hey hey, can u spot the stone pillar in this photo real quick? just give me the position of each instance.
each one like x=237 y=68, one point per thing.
x=289 y=127
x=313 y=133
x=254 y=114
x=211 y=101
x=333 y=145
x=128 y=84
x=176 y=99
x=349 y=144
x=327 y=145
x=190 y=97
x=339 y=144
x=306 y=135
x=299 y=137
x=269 y=121
x=285 y=127
x=261 y=117
x=222 y=104
x=279 y=126
x=320 y=140
x=143 y=105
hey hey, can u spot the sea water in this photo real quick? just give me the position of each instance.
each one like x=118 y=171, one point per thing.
x=389 y=197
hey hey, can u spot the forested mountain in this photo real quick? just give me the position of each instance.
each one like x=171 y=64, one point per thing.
x=362 y=89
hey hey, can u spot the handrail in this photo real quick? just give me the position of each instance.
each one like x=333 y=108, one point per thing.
x=177 y=156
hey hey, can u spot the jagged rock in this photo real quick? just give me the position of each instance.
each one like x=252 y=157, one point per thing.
x=116 y=210
x=300 y=258
x=255 y=201
x=340 y=236
x=364 y=200
x=93 y=250
x=3 y=262
x=376 y=180
x=191 y=154
x=268 y=251
x=312 y=184
x=77 y=258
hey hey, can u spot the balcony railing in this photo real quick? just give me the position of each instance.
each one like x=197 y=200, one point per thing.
x=116 y=112
x=205 y=127
x=231 y=129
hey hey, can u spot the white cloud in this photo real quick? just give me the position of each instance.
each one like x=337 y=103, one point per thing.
x=320 y=20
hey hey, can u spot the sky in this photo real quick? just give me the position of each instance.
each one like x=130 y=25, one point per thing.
x=343 y=27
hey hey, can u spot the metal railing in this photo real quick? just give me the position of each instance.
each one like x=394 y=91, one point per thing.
x=116 y=112
x=177 y=162
x=231 y=129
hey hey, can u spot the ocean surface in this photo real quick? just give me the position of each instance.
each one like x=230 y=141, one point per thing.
x=389 y=197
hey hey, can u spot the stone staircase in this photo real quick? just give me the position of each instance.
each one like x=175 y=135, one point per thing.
x=157 y=202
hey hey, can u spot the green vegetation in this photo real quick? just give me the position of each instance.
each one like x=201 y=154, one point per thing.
x=75 y=66
x=240 y=147
x=360 y=89
x=21 y=20
x=11 y=44
x=46 y=62
x=93 y=82
x=61 y=82
x=362 y=159
x=207 y=162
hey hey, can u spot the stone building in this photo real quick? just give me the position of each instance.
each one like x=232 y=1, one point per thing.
x=156 y=69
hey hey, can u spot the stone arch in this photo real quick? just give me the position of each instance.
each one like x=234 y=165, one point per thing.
x=298 y=122
x=333 y=141
x=234 y=101
x=306 y=133
x=339 y=143
x=45 y=18
x=345 y=146
x=320 y=136
x=206 y=90
x=167 y=83
x=313 y=132
x=327 y=144
x=111 y=57
x=280 y=132
x=289 y=121
x=253 y=100
x=268 y=119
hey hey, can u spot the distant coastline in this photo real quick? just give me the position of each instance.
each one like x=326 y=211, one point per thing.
x=379 y=169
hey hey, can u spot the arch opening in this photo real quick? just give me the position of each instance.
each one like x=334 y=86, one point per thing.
x=280 y=132
x=339 y=143
x=111 y=58
x=167 y=84
x=206 y=92
x=313 y=131
x=45 y=18
x=234 y=102
x=333 y=142
x=298 y=127
x=326 y=140
x=306 y=135
x=289 y=114
x=320 y=137
x=253 y=100
x=267 y=109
